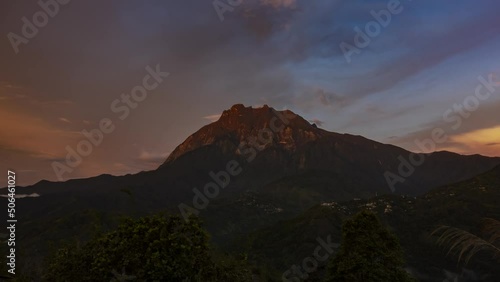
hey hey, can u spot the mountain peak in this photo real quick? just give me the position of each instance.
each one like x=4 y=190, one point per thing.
x=238 y=110
x=238 y=107
x=239 y=116
x=239 y=123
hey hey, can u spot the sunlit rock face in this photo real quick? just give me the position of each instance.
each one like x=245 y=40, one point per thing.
x=273 y=145
x=239 y=124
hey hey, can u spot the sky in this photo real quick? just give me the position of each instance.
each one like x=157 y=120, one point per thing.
x=410 y=68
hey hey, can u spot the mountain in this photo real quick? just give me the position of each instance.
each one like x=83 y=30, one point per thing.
x=278 y=153
x=298 y=147
x=278 y=165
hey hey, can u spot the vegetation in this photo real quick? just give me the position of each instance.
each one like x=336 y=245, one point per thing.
x=467 y=244
x=369 y=252
x=276 y=234
x=154 y=248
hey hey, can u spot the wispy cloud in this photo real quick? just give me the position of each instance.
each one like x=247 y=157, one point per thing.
x=153 y=157
x=483 y=141
x=212 y=118
x=317 y=122
x=479 y=133
x=280 y=3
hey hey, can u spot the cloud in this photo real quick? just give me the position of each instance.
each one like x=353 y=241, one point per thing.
x=477 y=134
x=317 y=122
x=153 y=158
x=64 y=120
x=328 y=98
x=280 y=3
x=12 y=96
x=9 y=91
x=20 y=196
x=33 y=134
x=425 y=52
x=21 y=95
x=268 y=17
x=213 y=118
x=482 y=141
x=53 y=103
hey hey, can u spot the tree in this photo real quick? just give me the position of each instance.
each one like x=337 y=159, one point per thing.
x=467 y=244
x=369 y=252
x=155 y=248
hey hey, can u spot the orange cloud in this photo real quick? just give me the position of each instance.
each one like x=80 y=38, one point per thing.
x=32 y=134
x=482 y=141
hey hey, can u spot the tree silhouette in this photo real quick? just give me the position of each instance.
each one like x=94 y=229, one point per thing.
x=369 y=252
x=154 y=248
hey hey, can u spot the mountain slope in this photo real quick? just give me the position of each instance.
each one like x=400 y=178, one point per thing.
x=461 y=205
x=298 y=147
x=272 y=145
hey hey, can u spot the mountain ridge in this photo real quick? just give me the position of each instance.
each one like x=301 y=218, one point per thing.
x=296 y=146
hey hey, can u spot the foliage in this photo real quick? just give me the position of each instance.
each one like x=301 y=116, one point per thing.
x=369 y=252
x=467 y=244
x=155 y=248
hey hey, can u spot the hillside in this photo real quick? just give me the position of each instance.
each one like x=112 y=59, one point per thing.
x=461 y=205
